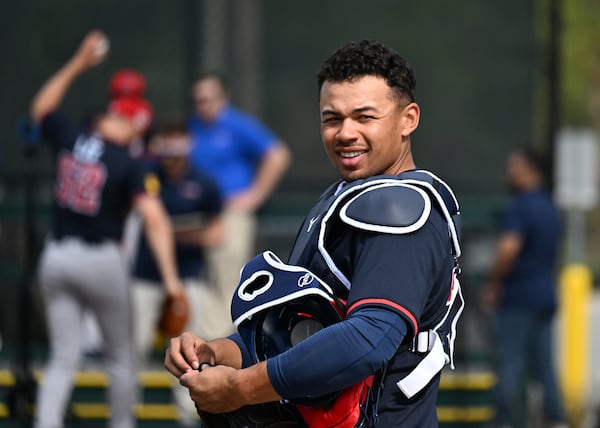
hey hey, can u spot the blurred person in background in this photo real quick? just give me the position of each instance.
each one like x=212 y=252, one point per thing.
x=126 y=92
x=521 y=293
x=82 y=266
x=247 y=161
x=194 y=204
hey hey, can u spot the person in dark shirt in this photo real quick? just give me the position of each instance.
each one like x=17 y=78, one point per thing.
x=194 y=205
x=82 y=267
x=521 y=292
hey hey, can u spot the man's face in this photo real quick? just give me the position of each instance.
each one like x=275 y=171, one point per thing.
x=117 y=128
x=363 y=128
x=172 y=149
x=209 y=99
x=516 y=171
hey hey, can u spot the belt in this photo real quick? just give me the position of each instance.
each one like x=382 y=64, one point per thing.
x=94 y=240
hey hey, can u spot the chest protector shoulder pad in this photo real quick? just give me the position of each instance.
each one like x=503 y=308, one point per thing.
x=390 y=207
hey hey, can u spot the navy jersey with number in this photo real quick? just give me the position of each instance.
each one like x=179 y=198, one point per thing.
x=95 y=182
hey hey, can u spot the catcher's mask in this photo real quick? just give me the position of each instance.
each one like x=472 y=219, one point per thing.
x=276 y=306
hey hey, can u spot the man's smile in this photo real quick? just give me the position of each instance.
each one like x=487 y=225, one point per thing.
x=349 y=155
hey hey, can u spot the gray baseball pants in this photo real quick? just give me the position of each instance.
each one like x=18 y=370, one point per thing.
x=74 y=276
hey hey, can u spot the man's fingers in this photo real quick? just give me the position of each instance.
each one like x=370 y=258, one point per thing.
x=205 y=354
x=185 y=353
x=189 y=350
x=171 y=363
x=175 y=360
x=184 y=379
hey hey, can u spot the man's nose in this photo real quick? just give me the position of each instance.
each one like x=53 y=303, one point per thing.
x=348 y=130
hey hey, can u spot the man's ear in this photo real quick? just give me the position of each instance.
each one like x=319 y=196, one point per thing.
x=410 y=118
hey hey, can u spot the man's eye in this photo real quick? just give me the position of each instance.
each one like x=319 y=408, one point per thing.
x=365 y=117
x=330 y=120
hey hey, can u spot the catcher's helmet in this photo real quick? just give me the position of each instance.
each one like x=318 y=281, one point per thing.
x=276 y=306
x=279 y=328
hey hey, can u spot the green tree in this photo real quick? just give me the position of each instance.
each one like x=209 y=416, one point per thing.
x=580 y=67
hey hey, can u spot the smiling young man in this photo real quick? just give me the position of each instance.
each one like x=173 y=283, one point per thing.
x=384 y=239
x=366 y=127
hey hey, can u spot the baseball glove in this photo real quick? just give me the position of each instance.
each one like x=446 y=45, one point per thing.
x=175 y=314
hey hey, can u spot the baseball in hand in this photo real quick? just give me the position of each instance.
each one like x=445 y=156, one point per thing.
x=101 y=47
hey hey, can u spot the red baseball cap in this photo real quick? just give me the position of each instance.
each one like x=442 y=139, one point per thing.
x=138 y=110
x=127 y=82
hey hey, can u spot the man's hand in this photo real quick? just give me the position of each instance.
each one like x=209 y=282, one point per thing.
x=185 y=354
x=247 y=201
x=214 y=389
x=92 y=50
x=222 y=388
x=489 y=296
x=174 y=287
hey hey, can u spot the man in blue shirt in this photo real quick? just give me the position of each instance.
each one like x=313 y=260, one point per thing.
x=521 y=291
x=247 y=161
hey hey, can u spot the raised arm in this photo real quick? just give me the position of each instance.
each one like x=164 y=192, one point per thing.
x=90 y=53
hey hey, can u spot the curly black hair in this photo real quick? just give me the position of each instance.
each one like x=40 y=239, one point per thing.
x=369 y=58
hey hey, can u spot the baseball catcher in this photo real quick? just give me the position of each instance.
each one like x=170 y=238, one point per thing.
x=355 y=328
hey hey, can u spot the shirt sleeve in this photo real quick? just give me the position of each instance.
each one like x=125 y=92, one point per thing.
x=247 y=360
x=396 y=272
x=58 y=130
x=514 y=219
x=338 y=356
x=257 y=138
x=143 y=178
